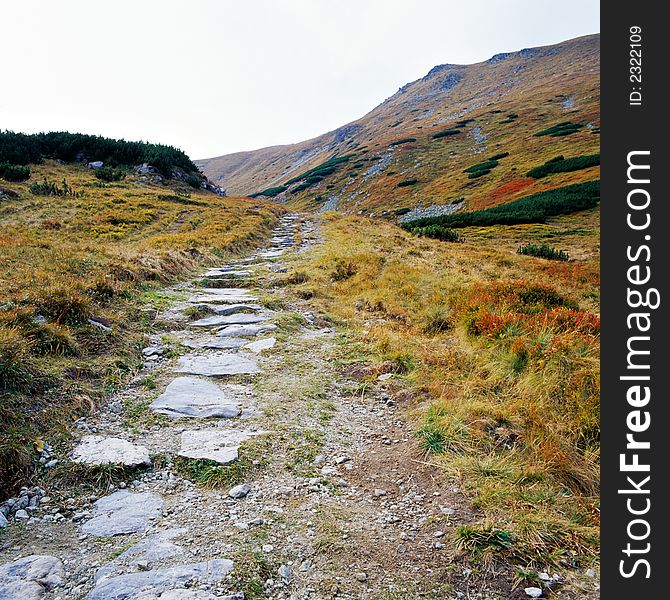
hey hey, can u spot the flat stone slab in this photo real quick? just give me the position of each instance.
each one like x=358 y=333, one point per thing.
x=216 y=365
x=30 y=578
x=260 y=345
x=245 y=330
x=131 y=585
x=215 y=343
x=123 y=512
x=234 y=319
x=101 y=450
x=231 y=291
x=191 y=397
x=182 y=594
x=226 y=273
x=220 y=445
x=231 y=309
x=151 y=552
x=220 y=299
x=271 y=253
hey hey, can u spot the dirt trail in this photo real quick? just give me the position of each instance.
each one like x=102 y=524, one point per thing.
x=260 y=472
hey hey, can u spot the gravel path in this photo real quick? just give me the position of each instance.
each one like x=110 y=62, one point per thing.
x=271 y=475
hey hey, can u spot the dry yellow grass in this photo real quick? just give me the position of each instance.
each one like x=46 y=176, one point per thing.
x=99 y=255
x=513 y=410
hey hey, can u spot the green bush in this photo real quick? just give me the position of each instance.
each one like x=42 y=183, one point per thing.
x=301 y=187
x=529 y=209
x=560 y=164
x=272 y=192
x=498 y=156
x=438 y=232
x=402 y=141
x=463 y=122
x=194 y=181
x=23 y=149
x=109 y=174
x=543 y=251
x=480 y=173
x=50 y=188
x=14 y=172
x=401 y=211
x=446 y=133
x=325 y=168
x=489 y=164
x=560 y=129
x=407 y=182
x=510 y=118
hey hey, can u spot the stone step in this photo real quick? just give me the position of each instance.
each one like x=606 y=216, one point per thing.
x=234 y=319
x=131 y=585
x=216 y=365
x=251 y=330
x=96 y=450
x=123 y=512
x=220 y=445
x=191 y=397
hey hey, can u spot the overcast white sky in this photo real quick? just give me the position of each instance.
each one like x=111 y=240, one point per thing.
x=218 y=76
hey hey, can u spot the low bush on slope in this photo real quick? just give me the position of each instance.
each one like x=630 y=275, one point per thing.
x=560 y=164
x=560 y=129
x=535 y=208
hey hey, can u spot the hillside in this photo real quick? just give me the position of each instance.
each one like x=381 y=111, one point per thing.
x=78 y=257
x=412 y=150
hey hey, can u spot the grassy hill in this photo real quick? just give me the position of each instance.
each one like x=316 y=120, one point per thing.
x=436 y=140
x=78 y=257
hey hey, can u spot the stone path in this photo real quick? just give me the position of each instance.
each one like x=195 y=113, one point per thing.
x=257 y=467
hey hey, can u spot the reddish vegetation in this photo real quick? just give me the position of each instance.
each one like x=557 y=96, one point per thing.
x=572 y=273
x=507 y=192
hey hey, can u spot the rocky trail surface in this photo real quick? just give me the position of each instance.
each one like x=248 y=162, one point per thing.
x=242 y=462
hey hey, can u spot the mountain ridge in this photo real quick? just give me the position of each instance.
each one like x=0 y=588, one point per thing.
x=507 y=83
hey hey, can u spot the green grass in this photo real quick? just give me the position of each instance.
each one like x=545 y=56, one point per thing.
x=535 y=208
x=407 y=182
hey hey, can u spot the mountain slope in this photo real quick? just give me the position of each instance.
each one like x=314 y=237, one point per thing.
x=488 y=108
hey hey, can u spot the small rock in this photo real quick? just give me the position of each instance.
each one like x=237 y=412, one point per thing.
x=268 y=548
x=3 y=520
x=239 y=491
x=590 y=573
x=362 y=577
x=438 y=534
x=21 y=515
x=533 y=592
x=285 y=573
x=379 y=492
